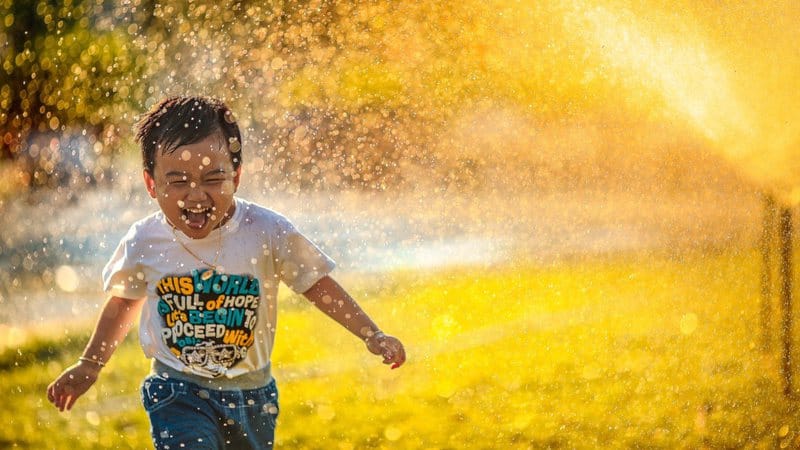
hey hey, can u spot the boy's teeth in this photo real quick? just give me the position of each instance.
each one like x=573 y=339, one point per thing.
x=196 y=218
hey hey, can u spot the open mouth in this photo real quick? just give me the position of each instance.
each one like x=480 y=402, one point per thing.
x=196 y=218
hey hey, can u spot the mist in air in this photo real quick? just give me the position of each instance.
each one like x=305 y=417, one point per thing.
x=422 y=138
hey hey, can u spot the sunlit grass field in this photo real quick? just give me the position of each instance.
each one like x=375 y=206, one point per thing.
x=630 y=351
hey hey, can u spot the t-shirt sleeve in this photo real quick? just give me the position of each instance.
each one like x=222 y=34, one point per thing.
x=299 y=263
x=123 y=275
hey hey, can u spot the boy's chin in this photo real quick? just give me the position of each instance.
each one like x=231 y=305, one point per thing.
x=195 y=231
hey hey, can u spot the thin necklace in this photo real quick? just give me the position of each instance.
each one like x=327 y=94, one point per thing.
x=212 y=266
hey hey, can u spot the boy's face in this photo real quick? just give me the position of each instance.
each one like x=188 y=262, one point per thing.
x=194 y=185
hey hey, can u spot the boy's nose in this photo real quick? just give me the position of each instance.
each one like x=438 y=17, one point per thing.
x=196 y=193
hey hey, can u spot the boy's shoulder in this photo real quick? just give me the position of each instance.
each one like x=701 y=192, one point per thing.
x=146 y=225
x=254 y=213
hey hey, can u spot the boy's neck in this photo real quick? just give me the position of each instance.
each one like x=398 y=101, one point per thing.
x=228 y=215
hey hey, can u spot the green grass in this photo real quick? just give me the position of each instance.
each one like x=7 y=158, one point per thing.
x=611 y=352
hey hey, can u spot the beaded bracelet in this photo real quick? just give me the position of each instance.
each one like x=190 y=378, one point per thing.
x=93 y=361
x=375 y=334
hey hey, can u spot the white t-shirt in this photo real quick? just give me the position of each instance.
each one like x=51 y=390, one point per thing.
x=213 y=323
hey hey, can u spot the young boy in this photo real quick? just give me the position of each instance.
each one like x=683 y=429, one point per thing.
x=204 y=272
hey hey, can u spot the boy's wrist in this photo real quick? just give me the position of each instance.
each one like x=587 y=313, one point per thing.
x=96 y=363
x=373 y=335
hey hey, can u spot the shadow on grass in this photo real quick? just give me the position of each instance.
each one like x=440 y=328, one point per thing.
x=38 y=350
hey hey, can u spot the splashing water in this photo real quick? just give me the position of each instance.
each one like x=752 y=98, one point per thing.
x=691 y=80
x=502 y=122
x=731 y=97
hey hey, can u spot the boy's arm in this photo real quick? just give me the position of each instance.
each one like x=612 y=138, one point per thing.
x=115 y=320
x=333 y=300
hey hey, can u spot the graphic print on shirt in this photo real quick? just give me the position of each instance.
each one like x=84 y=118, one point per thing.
x=208 y=321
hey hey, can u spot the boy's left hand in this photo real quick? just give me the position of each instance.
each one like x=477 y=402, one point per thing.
x=387 y=346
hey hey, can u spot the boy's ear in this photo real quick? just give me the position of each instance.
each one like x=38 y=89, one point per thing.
x=236 y=177
x=150 y=184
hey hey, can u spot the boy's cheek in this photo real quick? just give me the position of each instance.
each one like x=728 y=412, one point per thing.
x=228 y=188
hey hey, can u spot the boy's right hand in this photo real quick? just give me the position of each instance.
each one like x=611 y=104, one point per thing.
x=71 y=384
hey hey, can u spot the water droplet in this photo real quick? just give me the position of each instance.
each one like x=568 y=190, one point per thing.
x=234 y=145
x=325 y=412
x=186 y=155
x=392 y=433
x=181 y=204
x=270 y=408
x=93 y=418
x=446 y=388
x=277 y=63
x=67 y=279
x=206 y=160
x=688 y=323
x=326 y=299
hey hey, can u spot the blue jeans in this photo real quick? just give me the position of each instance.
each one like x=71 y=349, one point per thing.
x=184 y=415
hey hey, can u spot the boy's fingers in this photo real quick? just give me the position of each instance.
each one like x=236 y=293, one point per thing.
x=398 y=352
x=71 y=401
x=398 y=361
x=400 y=357
x=62 y=403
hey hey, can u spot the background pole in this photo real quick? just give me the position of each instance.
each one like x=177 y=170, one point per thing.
x=786 y=297
x=765 y=244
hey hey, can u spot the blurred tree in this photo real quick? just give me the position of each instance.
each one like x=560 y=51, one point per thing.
x=68 y=69
x=330 y=94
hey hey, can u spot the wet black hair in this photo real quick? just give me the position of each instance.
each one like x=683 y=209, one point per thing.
x=178 y=121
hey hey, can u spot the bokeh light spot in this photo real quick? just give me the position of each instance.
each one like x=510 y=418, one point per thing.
x=392 y=433
x=67 y=279
x=688 y=323
x=93 y=418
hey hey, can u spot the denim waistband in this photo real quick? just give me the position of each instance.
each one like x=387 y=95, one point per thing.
x=252 y=380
